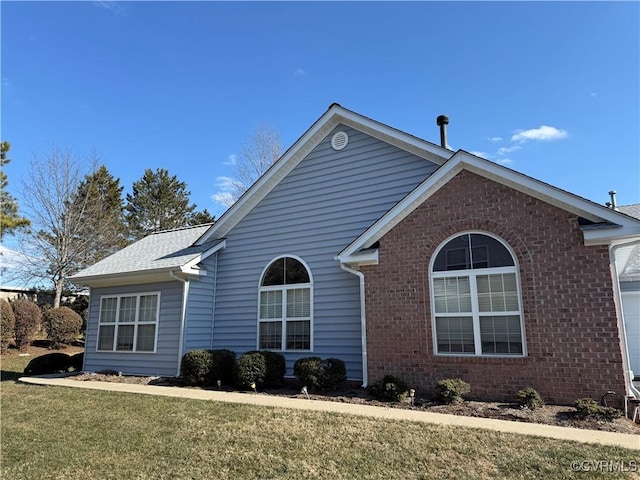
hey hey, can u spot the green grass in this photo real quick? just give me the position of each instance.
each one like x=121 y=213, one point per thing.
x=52 y=433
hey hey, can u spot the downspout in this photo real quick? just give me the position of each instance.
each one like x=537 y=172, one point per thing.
x=84 y=357
x=215 y=295
x=363 y=322
x=621 y=325
x=183 y=315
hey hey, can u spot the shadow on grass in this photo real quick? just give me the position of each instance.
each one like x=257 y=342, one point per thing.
x=7 y=376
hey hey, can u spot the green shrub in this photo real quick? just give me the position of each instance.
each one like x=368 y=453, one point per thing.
x=251 y=368
x=318 y=374
x=62 y=325
x=389 y=388
x=196 y=368
x=276 y=368
x=451 y=390
x=77 y=361
x=224 y=362
x=28 y=319
x=7 y=325
x=50 y=363
x=529 y=398
x=205 y=367
x=589 y=408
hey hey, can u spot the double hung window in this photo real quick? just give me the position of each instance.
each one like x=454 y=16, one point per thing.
x=128 y=323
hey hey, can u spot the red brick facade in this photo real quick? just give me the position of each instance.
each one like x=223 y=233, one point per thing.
x=571 y=332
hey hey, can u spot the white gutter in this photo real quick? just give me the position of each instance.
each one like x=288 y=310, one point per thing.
x=183 y=316
x=626 y=361
x=363 y=322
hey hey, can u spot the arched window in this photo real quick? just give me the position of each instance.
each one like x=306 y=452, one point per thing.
x=475 y=298
x=285 y=310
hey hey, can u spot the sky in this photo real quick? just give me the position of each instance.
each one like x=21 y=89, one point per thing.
x=551 y=90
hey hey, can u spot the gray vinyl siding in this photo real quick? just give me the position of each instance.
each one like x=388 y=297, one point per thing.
x=165 y=360
x=200 y=311
x=328 y=200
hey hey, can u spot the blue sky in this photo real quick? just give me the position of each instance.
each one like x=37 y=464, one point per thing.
x=548 y=89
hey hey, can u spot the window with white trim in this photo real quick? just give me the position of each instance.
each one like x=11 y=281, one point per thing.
x=128 y=323
x=475 y=298
x=284 y=311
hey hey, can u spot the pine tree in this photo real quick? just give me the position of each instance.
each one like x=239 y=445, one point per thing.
x=158 y=202
x=10 y=221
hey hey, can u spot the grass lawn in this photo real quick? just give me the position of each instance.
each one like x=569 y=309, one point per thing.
x=55 y=433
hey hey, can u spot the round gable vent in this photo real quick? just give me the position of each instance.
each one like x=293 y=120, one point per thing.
x=339 y=140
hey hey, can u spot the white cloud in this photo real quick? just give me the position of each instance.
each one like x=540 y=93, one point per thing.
x=593 y=94
x=479 y=154
x=542 y=133
x=504 y=161
x=504 y=150
x=231 y=159
x=225 y=183
x=299 y=72
x=496 y=139
x=223 y=198
x=112 y=6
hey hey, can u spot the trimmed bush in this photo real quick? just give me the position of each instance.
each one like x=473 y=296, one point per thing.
x=7 y=325
x=529 y=398
x=76 y=361
x=389 y=388
x=451 y=390
x=205 y=367
x=196 y=368
x=589 y=408
x=28 y=319
x=224 y=362
x=276 y=368
x=50 y=363
x=62 y=325
x=251 y=368
x=318 y=374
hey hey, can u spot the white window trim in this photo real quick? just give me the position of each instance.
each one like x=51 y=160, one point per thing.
x=283 y=318
x=136 y=322
x=475 y=310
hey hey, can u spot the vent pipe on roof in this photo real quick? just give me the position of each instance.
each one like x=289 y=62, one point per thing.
x=613 y=203
x=442 y=122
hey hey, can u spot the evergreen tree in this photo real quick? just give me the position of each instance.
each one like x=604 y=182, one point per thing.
x=10 y=221
x=158 y=202
x=202 y=217
x=102 y=228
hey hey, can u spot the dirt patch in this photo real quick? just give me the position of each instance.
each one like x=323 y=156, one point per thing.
x=41 y=347
x=558 y=415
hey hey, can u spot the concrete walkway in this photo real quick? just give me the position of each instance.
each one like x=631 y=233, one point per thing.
x=522 y=428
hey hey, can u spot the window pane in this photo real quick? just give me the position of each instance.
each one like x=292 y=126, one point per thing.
x=298 y=335
x=108 y=309
x=105 y=337
x=497 y=292
x=271 y=335
x=501 y=335
x=295 y=272
x=127 y=310
x=271 y=304
x=298 y=302
x=148 y=308
x=452 y=294
x=125 y=338
x=455 y=335
x=454 y=255
x=490 y=252
x=146 y=338
x=274 y=274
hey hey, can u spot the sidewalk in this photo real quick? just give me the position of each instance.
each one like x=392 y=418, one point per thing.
x=522 y=428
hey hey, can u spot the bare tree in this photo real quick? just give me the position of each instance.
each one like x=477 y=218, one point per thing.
x=56 y=243
x=257 y=154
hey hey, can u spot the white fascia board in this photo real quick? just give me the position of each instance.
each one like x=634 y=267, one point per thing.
x=190 y=267
x=369 y=257
x=621 y=225
x=612 y=236
x=304 y=145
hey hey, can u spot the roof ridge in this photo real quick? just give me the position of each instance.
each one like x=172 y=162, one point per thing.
x=177 y=229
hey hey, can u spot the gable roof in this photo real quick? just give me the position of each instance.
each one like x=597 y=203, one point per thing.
x=333 y=117
x=631 y=210
x=152 y=258
x=607 y=224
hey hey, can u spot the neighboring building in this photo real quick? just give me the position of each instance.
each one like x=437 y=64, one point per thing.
x=394 y=254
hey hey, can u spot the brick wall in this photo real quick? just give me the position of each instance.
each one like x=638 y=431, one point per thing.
x=570 y=323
